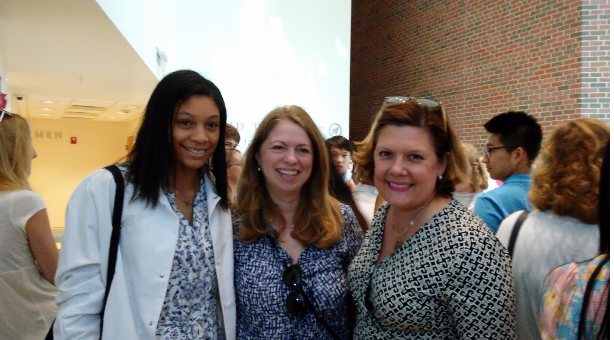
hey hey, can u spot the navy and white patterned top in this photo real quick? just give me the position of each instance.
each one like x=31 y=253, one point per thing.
x=191 y=307
x=261 y=293
x=452 y=279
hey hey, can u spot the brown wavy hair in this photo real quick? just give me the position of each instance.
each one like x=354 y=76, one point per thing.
x=317 y=219
x=443 y=137
x=479 y=180
x=566 y=179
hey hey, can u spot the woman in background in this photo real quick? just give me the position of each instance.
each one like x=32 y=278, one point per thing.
x=576 y=303
x=234 y=166
x=28 y=254
x=562 y=227
x=420 y=272
x=174 y=273
x=294 y=241
x=467 y=192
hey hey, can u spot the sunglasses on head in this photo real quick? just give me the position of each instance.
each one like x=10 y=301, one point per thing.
x=426 y=102
x=296 y=300
x=5 y=112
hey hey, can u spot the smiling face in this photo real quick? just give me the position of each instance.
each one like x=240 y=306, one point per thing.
x=196 y=132
x=286 y=159
x=406 y=166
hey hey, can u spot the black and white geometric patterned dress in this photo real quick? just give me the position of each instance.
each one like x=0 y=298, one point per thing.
x=451 y=280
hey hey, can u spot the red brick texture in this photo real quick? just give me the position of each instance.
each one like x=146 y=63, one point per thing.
x=481 y=58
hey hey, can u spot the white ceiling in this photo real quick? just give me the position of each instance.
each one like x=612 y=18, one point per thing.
x=70 y=53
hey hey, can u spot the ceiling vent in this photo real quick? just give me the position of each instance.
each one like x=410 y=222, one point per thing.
x=87 y=107
x=84 y=111
x=78 y=116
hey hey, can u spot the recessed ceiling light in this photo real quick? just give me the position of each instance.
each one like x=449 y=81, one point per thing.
x=48 y=102
x=46 y=109
x=112 y=117
x=130 y=107
x=121 y=112
x=44 y=114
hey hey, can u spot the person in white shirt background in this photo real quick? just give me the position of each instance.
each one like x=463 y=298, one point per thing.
x=28 y=254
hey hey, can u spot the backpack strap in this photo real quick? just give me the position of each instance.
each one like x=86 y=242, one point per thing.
x=590 y=285
x=517 y=225
x=118 y=206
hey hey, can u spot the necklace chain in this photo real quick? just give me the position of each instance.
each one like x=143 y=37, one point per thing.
x=188 y=203
x=289 y=226
x=411 y=223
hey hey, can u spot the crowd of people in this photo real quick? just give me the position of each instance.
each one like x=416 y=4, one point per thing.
x=399 y=236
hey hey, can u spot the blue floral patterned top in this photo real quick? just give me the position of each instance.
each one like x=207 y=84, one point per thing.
x=261 y=293
x=190 y=309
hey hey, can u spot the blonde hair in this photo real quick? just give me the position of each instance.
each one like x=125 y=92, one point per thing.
x=443 y=137
x=15 y=153
x=478 y=181
x=317 y=219
x=566 y=179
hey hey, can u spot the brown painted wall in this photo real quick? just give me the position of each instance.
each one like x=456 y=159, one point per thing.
x=480 y=58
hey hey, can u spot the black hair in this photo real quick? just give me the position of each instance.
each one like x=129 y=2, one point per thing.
x=604 y=202
x=604 y=248
x=517 y=129
x=152 y=158
x=340 y=142
x=339 y=190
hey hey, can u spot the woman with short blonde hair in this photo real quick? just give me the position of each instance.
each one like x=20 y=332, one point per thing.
x=467 y=192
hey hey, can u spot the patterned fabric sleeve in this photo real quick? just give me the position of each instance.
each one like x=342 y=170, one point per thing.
x=351 y=233
x=481 y=291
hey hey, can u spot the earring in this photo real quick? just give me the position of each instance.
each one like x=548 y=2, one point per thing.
x=259 y=169
x=439 y=177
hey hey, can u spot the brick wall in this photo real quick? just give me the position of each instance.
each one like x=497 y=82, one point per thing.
x=480 y=58
x=595 y=37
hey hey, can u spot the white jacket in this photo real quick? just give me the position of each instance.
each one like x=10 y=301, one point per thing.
x=146 y=250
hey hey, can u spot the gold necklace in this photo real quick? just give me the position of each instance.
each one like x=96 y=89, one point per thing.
x=398 y=242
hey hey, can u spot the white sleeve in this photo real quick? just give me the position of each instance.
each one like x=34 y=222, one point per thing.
x=24 y=204
x=504 y=233
x=83 y=257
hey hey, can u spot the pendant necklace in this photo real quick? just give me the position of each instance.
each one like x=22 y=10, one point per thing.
x=398 y=242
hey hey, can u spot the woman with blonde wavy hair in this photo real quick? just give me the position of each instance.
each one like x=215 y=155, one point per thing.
x=294 y=241
x=466 y=192
x=562 y=227
x=28 y=254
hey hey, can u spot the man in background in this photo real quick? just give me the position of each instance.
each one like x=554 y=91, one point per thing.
x=341 y=155
x=512 y=145
x=232 y=137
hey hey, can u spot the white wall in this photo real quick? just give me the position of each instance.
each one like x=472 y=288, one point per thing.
x=5 y=85
x=260 y=53
x=61 y=166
